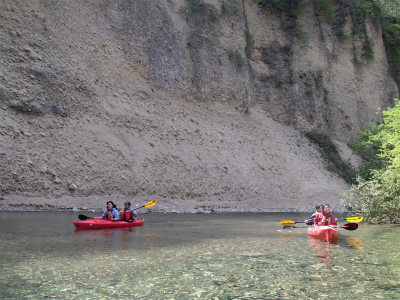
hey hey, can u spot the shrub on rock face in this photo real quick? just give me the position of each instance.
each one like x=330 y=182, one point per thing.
x=329 y=151
x=236 y=57
x=194 y=9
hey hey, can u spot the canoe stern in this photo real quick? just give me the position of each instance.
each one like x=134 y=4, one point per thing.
x=325 y=233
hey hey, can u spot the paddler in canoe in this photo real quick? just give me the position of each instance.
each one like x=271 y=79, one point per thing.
x=127 y=214
x=319 y=208
x=325 y=217
x=111 y=213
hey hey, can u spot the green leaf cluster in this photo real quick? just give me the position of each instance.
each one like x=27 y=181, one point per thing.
x=390 y=8
x=377 y=196
x=368 y=150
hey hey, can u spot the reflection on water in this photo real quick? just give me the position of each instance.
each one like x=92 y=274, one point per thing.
x=219 y=256
x=355 y=243
x=109 y=239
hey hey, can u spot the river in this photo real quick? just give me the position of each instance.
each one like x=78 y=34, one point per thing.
x=194 y=256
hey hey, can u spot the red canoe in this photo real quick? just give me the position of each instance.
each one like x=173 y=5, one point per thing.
x=325 y=233
x=98 y=223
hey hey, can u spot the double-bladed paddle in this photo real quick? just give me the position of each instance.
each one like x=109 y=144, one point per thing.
x=151 y=203
x=348 y=226
x=351 y=219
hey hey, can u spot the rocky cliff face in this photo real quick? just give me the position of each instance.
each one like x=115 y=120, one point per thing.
x=199 y=104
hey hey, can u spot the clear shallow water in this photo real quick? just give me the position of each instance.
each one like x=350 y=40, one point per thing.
x=190 y=256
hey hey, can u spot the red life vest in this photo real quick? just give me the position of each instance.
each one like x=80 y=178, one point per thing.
x=328 y=218
x=108 y=215
x=126 y=215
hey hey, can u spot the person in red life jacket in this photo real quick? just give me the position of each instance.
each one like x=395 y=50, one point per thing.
x=318 y=209
x=325 y=217
x=111 y=213
x=128 y=214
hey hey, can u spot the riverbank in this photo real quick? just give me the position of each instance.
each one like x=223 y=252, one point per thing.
x=98 y=203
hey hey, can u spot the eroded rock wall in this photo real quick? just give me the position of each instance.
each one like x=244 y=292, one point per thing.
x=138 y=98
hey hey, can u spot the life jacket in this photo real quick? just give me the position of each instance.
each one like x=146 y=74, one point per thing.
x=328 y=216
x=108 y=215
x=126 y=215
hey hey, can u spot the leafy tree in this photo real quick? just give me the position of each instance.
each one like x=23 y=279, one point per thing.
x=390 y=7
x=368 y=150
x=378 y=198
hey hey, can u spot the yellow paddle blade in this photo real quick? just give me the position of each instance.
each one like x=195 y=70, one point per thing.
x=354 y=219
x=151 y=203
x=288 y=222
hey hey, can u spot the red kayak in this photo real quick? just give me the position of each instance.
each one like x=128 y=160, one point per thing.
x=98 y=223
x=325 y=233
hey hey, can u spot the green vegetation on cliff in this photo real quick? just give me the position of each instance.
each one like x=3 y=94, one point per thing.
x=332 y=157
x=377 y=196
x=384 y=12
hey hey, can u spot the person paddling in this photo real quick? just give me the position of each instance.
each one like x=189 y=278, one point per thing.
x=111 y=213
x=318 y=209
x=127 y=214
x=325 y=217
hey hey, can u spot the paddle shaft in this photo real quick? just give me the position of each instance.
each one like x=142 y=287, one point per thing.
x=350 y=219
x=139 y=207
x=348 y=226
